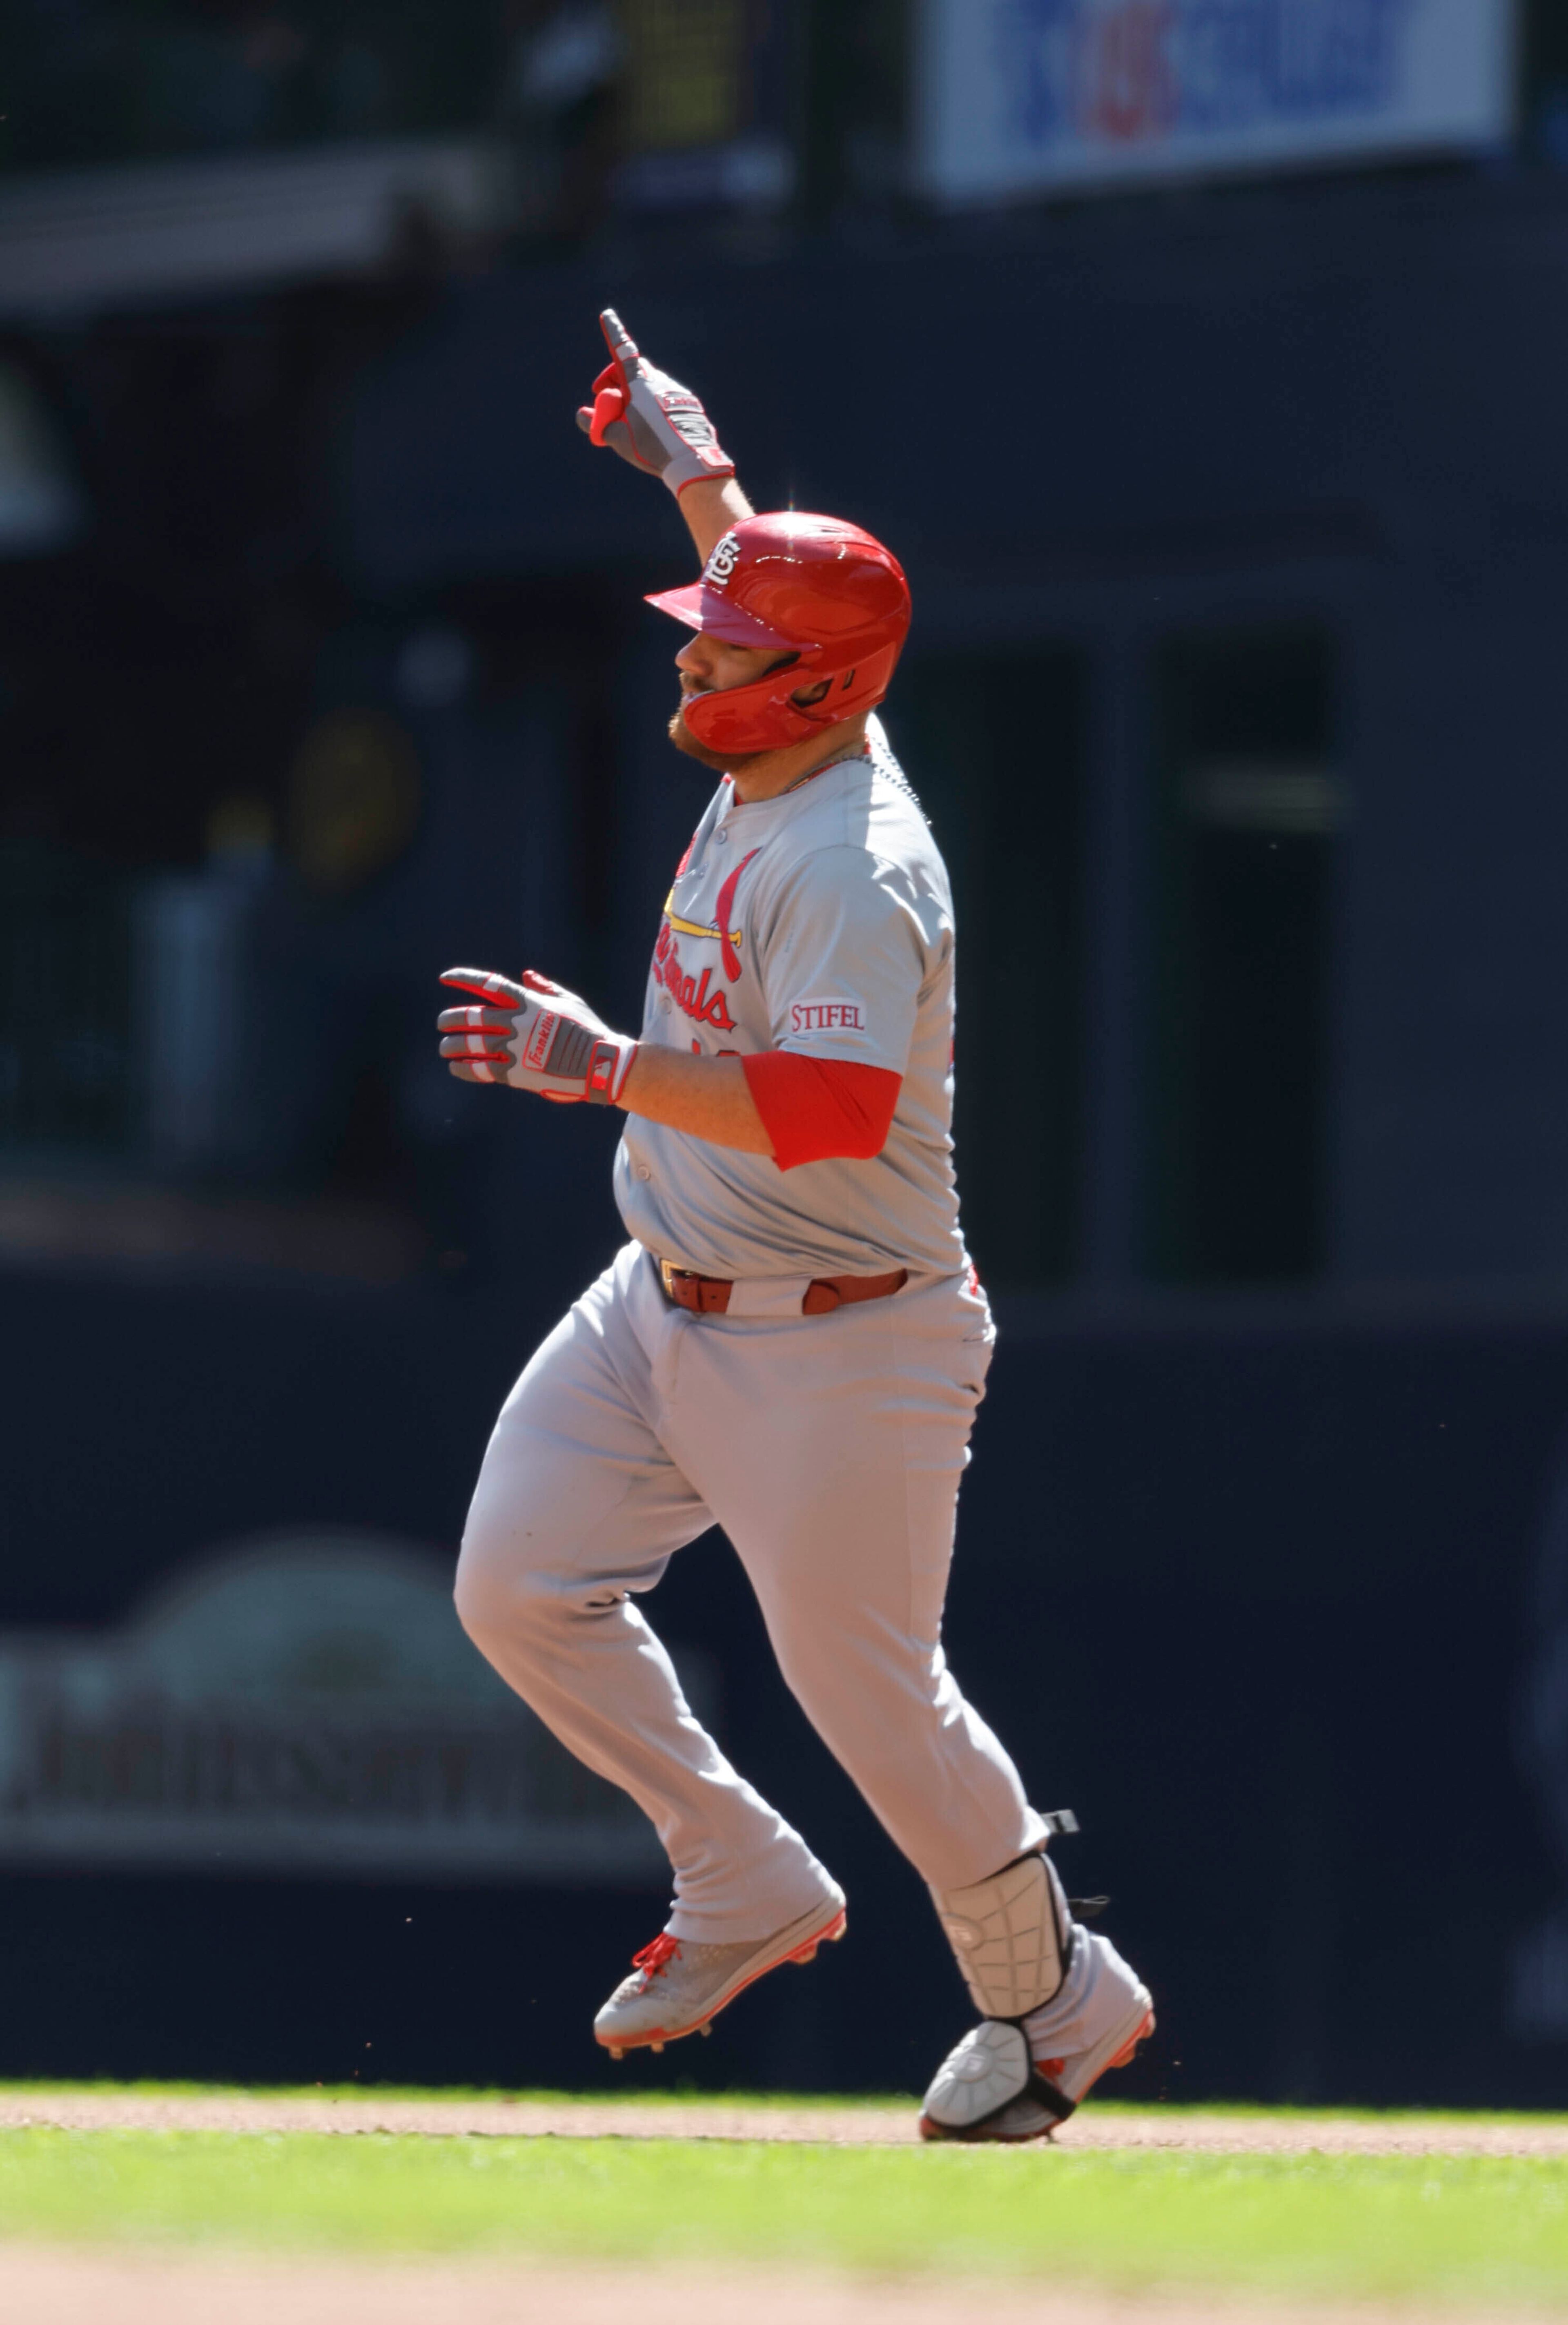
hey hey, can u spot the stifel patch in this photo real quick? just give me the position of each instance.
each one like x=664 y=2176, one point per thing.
x=826 y=1013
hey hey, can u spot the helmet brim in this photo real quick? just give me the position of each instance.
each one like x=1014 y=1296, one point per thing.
x=703 y=609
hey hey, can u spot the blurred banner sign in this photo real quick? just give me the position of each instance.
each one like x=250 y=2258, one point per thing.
x=304 y=1705
x=1020 y=96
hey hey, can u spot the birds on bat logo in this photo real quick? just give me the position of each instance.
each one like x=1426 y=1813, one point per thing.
x=690 y=992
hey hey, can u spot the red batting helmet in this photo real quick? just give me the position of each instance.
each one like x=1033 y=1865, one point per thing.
x=810 y=585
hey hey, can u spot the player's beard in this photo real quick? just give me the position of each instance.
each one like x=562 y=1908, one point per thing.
x=722 y=763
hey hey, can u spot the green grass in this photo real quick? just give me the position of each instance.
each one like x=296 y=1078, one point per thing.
x=1408 y=2227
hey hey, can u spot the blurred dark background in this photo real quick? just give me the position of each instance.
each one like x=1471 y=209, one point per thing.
x=1214 y=396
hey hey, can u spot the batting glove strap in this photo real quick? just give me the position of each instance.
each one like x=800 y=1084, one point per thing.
x=608 y=1068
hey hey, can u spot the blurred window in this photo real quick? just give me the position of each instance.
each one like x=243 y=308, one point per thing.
x=1544 y=73
x=854 y=111
x=42 y=507
x=354 y=800
x=995 y=745
x=1249 y=807
x=65 y=1061
x=93 y=81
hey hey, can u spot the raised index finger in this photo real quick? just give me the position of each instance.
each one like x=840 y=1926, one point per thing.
x=487 y=985
x=620 y=342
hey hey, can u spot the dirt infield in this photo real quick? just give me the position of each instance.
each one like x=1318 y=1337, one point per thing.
x=47 y=2287
x=1215 y=2133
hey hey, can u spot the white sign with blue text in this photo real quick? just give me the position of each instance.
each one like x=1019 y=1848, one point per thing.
x=1019 y=96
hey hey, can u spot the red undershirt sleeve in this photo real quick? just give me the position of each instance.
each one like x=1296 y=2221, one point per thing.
x=815 y=1108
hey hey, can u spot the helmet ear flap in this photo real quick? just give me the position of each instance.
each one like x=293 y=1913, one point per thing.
x=760 y=717
x=767 y=716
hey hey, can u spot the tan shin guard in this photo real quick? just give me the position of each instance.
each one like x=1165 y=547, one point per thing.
x=1011 y=1934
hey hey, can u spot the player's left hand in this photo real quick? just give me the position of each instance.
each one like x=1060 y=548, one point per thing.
x=649 y=418
x=535 y=1036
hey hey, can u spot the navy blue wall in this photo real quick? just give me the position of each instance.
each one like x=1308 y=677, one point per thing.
x=1250 y=1594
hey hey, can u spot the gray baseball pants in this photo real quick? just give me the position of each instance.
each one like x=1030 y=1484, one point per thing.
x=830 y=1450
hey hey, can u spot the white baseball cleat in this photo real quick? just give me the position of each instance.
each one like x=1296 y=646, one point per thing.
x=1017 y=2079
x=678 y=1986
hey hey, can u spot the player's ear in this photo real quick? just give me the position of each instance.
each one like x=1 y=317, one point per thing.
x=806 y=698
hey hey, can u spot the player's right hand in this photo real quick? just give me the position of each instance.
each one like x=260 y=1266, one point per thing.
x=649 y=418
x=535 y=1036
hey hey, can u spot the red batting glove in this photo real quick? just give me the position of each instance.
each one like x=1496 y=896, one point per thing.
x=649 y=418
x=535 y=1036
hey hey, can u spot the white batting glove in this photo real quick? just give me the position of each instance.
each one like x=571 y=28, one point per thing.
x=649 y=418
x=536 y=1036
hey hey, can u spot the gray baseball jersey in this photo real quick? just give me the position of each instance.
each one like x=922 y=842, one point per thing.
x=819 y=921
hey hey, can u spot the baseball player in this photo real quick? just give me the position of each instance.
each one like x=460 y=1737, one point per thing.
x=793 y=1343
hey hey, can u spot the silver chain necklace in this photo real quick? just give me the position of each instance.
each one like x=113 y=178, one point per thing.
x=812 y=772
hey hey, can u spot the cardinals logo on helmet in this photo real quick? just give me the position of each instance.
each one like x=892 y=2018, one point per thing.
x=725 y=557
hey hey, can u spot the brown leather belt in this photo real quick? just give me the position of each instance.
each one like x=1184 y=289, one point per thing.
x=709 y=1295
